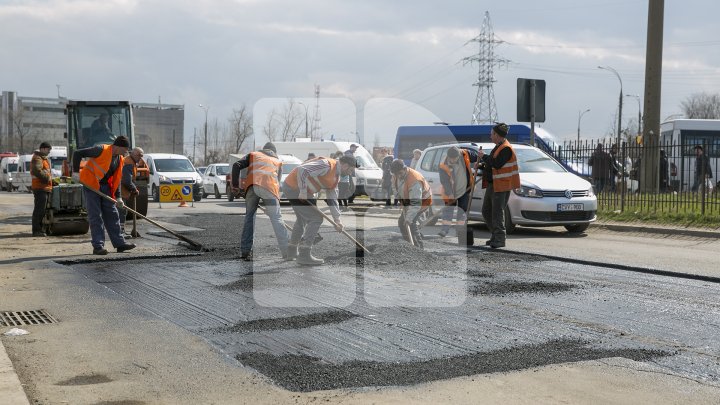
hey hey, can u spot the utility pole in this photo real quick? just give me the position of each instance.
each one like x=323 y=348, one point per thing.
x=206 y=108
x=194 y=138
x=649 y=173
x=620 y=104
x=580 y=114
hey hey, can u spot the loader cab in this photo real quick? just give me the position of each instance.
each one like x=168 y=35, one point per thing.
x=92 y=123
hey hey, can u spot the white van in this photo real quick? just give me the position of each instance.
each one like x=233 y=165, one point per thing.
x=22 y=178
x=368 y=176
x=168 y=168
x=8 y=167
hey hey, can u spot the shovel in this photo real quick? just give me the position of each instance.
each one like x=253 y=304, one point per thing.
x=193 y=245
x=134 y=233
x=469 y=235
x=344 y=232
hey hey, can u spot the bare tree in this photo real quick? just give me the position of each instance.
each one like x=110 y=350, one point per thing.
x=22 y=129
x=284 y=125
x=241 y=128
x=702 y=106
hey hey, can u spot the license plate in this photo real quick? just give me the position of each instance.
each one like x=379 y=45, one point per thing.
x=570 y=207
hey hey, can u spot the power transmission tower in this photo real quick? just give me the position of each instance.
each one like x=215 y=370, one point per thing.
x=315 y=131
x=485 y=110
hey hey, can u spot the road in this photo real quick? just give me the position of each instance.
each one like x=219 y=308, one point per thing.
x=431 y=326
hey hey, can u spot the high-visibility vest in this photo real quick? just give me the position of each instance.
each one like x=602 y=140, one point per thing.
x=263 y=172
x=124 y=191
x=37 y=183
x=96 y=168
x=413 y=176
x=449 y=195
x=328 y=181
x=507 y=177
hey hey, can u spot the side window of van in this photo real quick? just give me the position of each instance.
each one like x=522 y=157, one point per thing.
x=427 y=161
x=439 y=157
x=149 y=162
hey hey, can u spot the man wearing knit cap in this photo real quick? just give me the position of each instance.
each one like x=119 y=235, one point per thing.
x=500 y=176
x=41 y=185
x=262 y=182
x=102 y=172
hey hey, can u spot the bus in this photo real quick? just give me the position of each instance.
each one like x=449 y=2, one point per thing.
x=409 y=138
x=679 y=137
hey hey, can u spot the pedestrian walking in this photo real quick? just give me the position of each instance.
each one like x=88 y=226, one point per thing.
x=602 y=167
x=415 y=159
x=414 y=194
x=456 y=178
x=41 y=185
x=387 y=180
x=103 y=172
x=703 y=171
x=500 y=176
x=300 y=186
x=264 y=170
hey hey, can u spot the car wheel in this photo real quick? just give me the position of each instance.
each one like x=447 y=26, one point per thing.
x=230 y=196
x=155 y=194
x=199 y=196
x=10 y=188
x=217 y=192
x=577 y=228
x=509 y=226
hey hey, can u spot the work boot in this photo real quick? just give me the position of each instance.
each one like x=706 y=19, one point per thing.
x=247 y=256
x=99 y=251
x=318 y=239
x=125 y=247
x=292 y=253
x=306 y=258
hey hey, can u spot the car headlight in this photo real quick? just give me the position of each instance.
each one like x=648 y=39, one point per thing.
x=199 y=180
x=590 y=192
x=163 y=178
x=360 y=181
x=524 y=191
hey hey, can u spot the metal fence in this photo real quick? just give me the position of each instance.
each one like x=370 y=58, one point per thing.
x=683 y=186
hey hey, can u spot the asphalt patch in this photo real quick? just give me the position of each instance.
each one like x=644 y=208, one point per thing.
x=506 y=287
x=291 y=322
x=86 y=380
x=304 y=373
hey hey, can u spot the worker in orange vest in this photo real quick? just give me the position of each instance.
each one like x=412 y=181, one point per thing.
x=102 y=172
x=128 y=189
x=413 y=192
x=300 y=186
x=457 y=178
x=41 y=186
x=262 y=182
x=501 y=175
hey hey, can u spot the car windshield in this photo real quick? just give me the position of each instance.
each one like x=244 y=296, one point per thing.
x=287 y=167
x=57 y=162
x=12 y=167
x=365 y=161
x=222 y=170
x=173 y=165
x=535 y=161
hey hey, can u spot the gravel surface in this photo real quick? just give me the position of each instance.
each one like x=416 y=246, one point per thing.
x=292 y=322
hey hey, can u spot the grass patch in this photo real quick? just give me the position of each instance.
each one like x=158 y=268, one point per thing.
x=648 y=215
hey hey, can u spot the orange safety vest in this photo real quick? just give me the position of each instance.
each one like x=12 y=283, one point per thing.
x=38 y=184
x=328 y=181
x=449 y=195
x=413 y=176
x=124 y=191
x=263 y=172
x=96 y=168
x=507 y=177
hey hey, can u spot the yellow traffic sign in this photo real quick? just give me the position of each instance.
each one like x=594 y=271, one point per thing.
x=175 y=192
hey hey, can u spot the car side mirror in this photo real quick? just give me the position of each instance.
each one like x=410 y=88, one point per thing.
x=211 y=174
x=5 y=171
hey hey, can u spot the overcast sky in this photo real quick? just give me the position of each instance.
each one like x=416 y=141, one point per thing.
x=225 y=53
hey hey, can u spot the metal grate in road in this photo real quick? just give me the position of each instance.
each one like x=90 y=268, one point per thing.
x=20 y=318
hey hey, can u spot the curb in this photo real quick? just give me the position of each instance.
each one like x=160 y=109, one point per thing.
x=10 y=388
x=698 y=233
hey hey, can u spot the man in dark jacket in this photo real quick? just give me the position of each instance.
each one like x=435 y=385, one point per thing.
x=703 y=171
x=387 y=179
x=602 y=167
x=41 y=186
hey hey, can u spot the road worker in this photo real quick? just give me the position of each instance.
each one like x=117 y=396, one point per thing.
x=501 y=175
x=414 y=194
x=456 y=176
x=102 y=172
x=300 y=186
x=262 y=182
x=41 y=186
x=128 y=189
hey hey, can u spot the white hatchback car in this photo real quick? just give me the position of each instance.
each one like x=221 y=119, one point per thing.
x=548 y=195
x=214 y=179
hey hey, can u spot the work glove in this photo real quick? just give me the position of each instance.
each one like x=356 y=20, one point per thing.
x=339 y=225
x=76 y=178
x=134 y=192
x=303 y=195
x=119 y=203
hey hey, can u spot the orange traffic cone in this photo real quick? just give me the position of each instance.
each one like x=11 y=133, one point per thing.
x=183 y=204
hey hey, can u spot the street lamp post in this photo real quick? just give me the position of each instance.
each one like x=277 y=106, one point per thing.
x=580 y=114
x=637 y=97
x=206 y=108
x=306 y=117
x=620 y=102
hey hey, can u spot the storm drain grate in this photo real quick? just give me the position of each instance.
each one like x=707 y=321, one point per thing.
x=20 y=318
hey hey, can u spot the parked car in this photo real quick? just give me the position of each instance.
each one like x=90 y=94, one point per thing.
x=289 y=162
x=214 y=179
x=201 y=170
x=168 y=168
x=549 y=195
